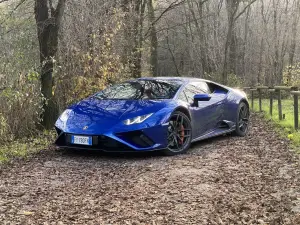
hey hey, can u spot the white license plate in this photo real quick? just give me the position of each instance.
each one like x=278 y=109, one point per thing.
x=81 y=140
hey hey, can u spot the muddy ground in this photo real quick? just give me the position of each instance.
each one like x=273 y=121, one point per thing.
x=225 y=180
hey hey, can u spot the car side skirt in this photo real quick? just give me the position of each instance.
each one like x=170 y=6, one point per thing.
x=214 y=133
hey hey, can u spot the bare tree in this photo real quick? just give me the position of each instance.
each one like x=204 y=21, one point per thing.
x=153 y=39
x=48 y=25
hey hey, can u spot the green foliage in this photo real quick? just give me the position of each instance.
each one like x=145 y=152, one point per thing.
x=286 y=126
x=20 y=101
x=232 y=80
x=20 y=107
x=19 y=46
x=291 y=75
x=91 y=69
x=25 y=147
x=3 y=126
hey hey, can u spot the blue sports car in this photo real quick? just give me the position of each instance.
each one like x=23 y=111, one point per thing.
x=146 y=114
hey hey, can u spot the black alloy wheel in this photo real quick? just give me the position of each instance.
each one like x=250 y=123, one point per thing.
x=242 y=124
x=179 y=134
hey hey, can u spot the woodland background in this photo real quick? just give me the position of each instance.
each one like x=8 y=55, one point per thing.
x=56 y=52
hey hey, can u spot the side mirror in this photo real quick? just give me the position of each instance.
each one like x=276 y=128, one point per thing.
x=201 y=98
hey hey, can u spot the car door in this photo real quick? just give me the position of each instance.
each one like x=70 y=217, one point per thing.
x=199 y=114
x=214 y=107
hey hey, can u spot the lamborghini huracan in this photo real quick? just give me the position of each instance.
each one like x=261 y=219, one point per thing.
x=147 y=114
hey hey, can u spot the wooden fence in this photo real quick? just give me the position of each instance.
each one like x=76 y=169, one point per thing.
x=276 y=92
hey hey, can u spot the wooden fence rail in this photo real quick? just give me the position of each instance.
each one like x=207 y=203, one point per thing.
x=273 y=92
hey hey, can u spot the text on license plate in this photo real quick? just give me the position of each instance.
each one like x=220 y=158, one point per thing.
x=81 y=140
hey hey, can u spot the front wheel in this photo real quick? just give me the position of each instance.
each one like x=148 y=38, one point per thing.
x=179 y=134
x=242 y=122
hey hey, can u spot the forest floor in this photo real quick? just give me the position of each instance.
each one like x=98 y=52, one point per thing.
x=225 y=180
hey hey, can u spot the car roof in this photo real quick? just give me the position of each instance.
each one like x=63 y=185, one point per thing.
x=183 y=79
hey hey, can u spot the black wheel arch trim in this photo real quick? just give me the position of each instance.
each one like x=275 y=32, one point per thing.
x=183 y=110
x=246 y=102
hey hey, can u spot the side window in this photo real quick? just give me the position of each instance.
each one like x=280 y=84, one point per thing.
x=190 y=91
x=190 y=95
x=201 y=86
x=182 y=96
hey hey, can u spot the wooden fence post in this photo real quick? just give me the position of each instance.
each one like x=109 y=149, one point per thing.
x=259 y=89
x=296 y=118
x=252 y=98
x=279 y=105
x=259 y=100
x=279 y=89
x=271 y=101
x=296 y=109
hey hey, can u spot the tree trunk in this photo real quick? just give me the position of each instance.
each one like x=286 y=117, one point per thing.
x=133 y=35
x=48 y=25
x=262 y=47
x=201 y=35
x=245 y=42
x=227 y=63
x=207 y=68
x=138 y=38
x=153 y=40
x=136 y=63
x=230 y=44
x=172 y=55
x=275 y=76
x=293 y=41
x=260 y=65
x=230 y=58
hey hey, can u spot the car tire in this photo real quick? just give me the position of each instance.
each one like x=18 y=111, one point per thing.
x=179 y=134
x=242 y=120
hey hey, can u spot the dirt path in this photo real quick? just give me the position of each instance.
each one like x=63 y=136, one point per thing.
x=227 y=180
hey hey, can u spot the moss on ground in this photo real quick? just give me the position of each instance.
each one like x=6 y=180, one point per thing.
x=25 y=147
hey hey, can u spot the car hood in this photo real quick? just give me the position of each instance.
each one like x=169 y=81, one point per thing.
x=91 y=113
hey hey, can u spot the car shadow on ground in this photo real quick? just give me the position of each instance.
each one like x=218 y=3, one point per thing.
x=195 y=147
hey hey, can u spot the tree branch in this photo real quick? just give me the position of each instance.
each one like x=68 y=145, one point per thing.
x=171 y=6
x=60 y=8
x=246 y=7
x=14 y=9
x=180 y=24
x=51 y=8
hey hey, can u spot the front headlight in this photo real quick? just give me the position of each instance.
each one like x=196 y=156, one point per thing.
x=138 y=119
x=65 y=115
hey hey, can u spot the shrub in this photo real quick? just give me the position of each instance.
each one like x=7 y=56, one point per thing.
x=20 y=107
x=291 y=75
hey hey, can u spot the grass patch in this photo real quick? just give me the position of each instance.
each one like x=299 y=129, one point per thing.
x=286 y=126
x=25 y=147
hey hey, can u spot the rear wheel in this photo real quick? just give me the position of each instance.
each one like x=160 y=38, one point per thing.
x=242 y=123
x=179 y=134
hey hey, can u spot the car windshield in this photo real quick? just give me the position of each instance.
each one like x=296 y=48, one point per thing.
x=141 y=89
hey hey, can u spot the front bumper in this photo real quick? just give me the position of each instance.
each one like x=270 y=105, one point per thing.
x=148 y=139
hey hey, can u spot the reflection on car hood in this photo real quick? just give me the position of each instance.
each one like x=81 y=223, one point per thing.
x=91 y=112
x=116 y=109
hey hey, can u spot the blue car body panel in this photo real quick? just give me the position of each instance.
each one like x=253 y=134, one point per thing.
x=104 y=119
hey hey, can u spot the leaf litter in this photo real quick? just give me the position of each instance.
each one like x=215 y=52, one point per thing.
x=225 y=180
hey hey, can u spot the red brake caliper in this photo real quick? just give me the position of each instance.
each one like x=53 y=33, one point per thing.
x=181 y=134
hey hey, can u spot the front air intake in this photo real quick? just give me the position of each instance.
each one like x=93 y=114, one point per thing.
x=136 y=138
